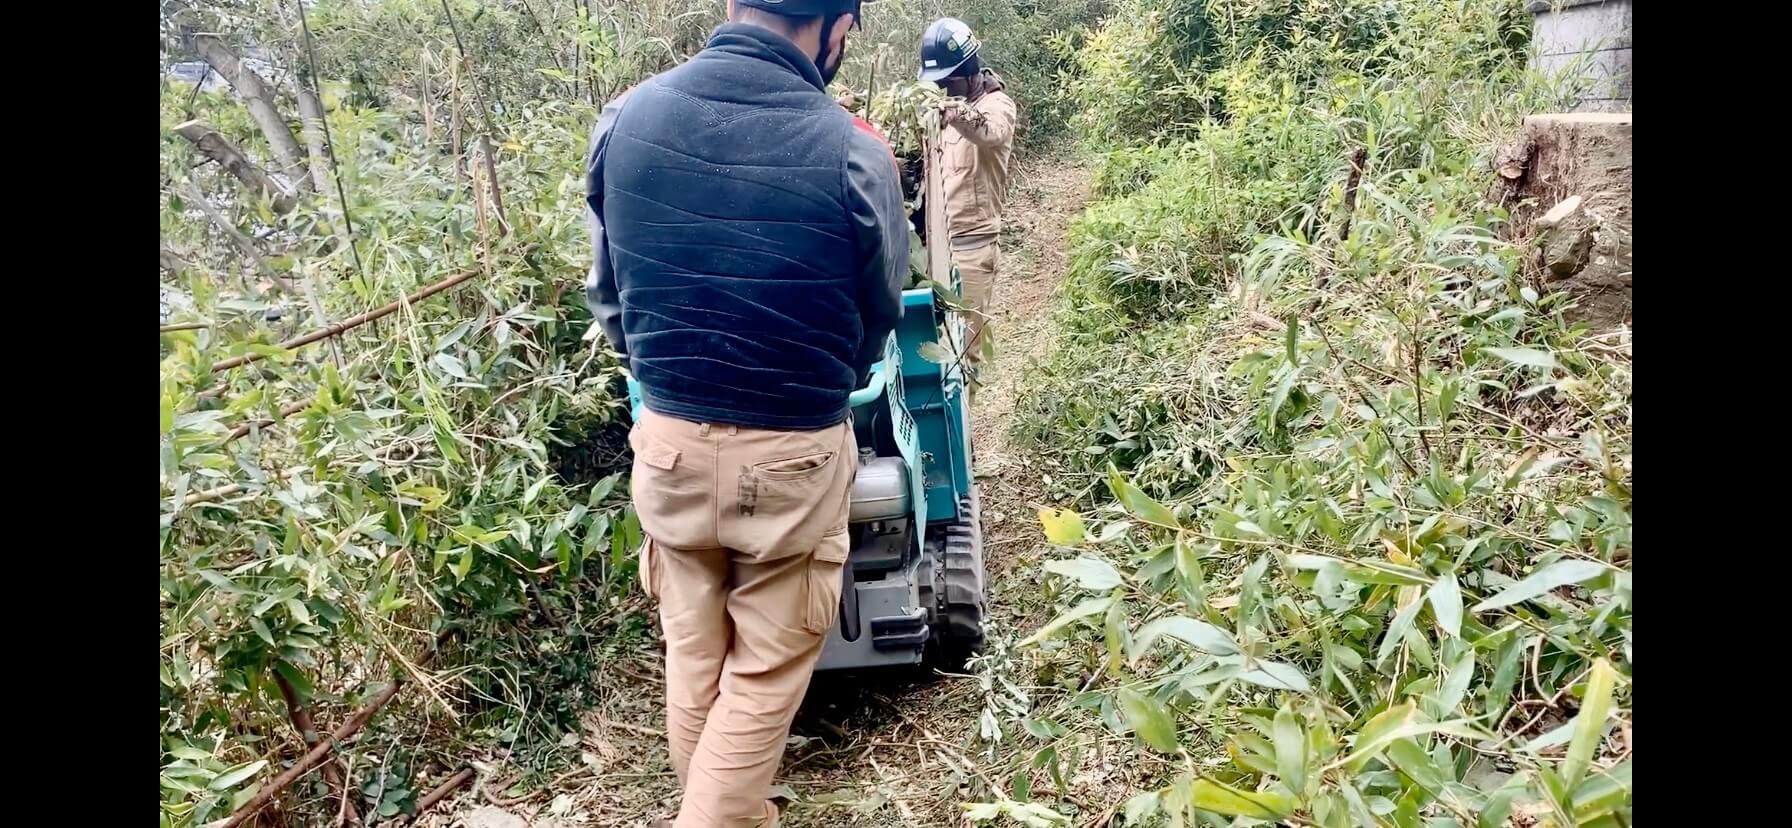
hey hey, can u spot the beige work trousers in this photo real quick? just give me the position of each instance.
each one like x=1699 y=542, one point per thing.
x=976 y=286
x=746 y=541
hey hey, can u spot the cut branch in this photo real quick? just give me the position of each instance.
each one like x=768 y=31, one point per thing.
x=301 y=720
x=311 y=759
x=217 y=148
x=349 y=323
x=441 y=792
x=210 y=495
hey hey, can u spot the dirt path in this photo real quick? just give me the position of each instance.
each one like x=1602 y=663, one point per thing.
x=877 y=754
x=893 y=755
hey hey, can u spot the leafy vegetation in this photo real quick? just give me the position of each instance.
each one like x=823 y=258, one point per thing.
x=384 y=505
x=1354 y=535
x=1344 y=534
x=431 y=499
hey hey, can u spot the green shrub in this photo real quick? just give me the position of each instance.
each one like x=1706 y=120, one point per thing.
x=390 y=504
x=1349 y=539
x=408 y=497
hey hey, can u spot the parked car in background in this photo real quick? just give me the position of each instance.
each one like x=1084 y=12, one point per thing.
x=201 y=74
x=198 y=73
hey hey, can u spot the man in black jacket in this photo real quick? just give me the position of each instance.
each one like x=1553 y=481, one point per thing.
x=750 y=251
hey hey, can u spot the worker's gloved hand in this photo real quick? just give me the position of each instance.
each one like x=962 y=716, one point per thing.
x=952 y=110
x=959 y=110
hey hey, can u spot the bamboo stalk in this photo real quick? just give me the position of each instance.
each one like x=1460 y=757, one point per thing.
x=349 y=323
x=311 y=759
x=307 y=727
x=442 y=791
x=285 y=412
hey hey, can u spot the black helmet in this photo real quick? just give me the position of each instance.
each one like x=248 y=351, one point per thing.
x=807 y=7
x=945 y=48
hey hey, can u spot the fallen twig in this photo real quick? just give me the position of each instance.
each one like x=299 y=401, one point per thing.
x=311 y=759
x=441 y=792
x=302 y=721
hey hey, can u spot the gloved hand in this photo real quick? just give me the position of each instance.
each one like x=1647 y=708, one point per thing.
x=954 y=110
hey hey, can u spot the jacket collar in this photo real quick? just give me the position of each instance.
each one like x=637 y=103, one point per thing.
x=992 y=82
x=763 y=44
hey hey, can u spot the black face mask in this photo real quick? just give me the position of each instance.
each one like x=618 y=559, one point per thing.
x=821 y=57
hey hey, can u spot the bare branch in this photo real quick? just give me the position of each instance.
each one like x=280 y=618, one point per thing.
x=217 y=148
x=351 y=322
x=174 y=262
x=441 y=792
x=242 y=243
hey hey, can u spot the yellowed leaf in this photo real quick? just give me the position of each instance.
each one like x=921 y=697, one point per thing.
x=1063 y=527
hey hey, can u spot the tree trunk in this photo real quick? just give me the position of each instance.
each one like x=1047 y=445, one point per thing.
x=311 y=120
x=302 y=722
x=214 y=146
x=248 y=85
x=311 y=116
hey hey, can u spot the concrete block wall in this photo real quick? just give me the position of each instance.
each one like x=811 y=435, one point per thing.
x=1566 y=30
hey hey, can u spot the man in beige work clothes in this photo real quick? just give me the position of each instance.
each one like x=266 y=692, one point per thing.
x=979 y=142
x=749 y=255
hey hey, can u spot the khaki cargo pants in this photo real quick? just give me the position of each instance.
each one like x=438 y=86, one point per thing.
x=746 y=542
x=976 y=286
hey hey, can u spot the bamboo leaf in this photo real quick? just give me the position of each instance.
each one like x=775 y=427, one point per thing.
x=1220 y=798
x=1554 y=576
x=1089 y=573
x=1150 y=720
x=1093 y=606
x=1063 y=527
x=1589 y=726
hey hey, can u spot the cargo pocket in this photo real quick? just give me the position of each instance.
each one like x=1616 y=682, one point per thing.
x=672 y=496
x=649 y=565
x=827 y=566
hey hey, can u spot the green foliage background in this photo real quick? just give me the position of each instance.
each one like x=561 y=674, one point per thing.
x=1348 y=538
x=1347 y=525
